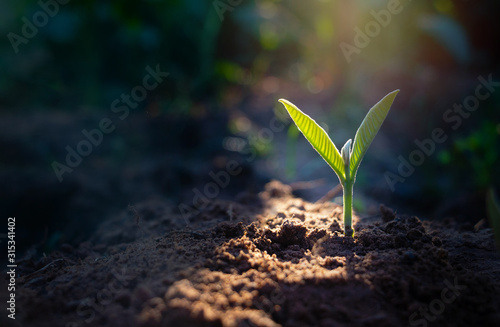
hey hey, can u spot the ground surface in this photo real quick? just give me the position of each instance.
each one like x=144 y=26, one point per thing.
x=266 y=260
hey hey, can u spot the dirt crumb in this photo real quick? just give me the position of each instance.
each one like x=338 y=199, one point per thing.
x=280 y=261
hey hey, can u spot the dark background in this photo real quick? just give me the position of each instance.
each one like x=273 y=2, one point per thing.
x=227 y=69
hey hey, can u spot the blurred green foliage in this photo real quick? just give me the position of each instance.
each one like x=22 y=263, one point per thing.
x=476 y=152
x=92 y=51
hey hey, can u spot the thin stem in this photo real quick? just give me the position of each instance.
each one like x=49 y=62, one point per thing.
x=348 y=187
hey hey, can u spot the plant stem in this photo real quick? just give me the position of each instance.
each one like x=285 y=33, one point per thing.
x=348 y=186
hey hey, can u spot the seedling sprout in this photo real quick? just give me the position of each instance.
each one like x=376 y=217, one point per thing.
x=346 y=163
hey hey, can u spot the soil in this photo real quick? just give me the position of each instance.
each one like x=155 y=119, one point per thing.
x=264 y=260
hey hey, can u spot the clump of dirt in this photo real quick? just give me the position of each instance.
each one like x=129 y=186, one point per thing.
x=266 y=260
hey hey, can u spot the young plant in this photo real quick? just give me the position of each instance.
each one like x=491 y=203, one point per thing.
x=346 y=163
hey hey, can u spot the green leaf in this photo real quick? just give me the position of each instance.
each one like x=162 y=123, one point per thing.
x=345 y=153
x=368 y=129
x=318 y=138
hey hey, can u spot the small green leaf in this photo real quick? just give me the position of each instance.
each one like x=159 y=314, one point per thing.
x=318 y=138
x=368 y=129
x=345 y=153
